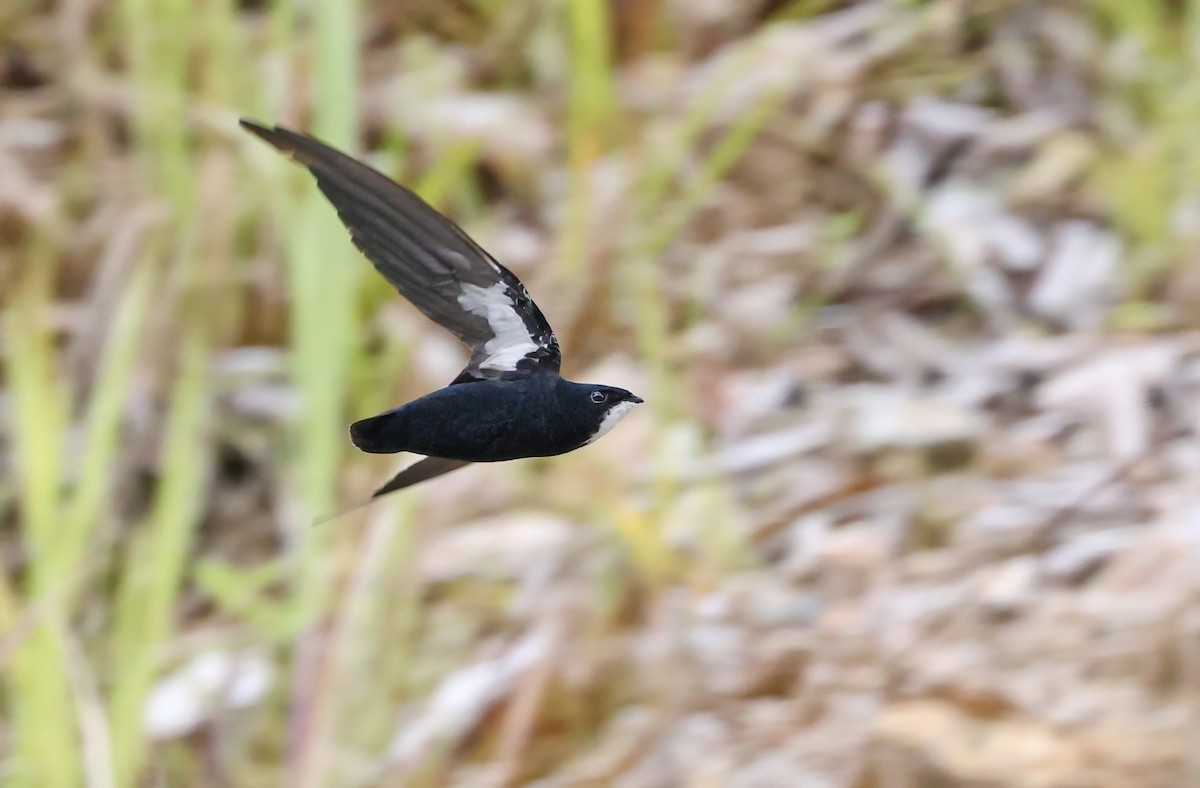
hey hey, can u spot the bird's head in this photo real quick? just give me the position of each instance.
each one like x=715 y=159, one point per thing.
x=607 y=404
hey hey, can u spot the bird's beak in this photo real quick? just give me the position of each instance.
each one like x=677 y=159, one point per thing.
x=636 y=400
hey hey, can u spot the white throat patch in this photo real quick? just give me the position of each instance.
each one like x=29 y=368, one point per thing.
x=615 y=414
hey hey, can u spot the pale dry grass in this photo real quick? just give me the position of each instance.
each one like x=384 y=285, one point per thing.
x=908 y=288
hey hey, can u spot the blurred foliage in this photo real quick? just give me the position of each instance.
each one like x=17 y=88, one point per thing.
x=156 y=238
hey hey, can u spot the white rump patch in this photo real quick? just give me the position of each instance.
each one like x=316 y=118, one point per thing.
x=511 y=342
x=615 y=414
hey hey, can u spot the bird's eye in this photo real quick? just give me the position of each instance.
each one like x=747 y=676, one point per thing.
x=598 y=397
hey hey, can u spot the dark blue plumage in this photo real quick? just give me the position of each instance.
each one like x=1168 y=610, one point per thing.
x=492 y=420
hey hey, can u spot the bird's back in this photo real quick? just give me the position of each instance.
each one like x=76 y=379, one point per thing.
x=485 y=421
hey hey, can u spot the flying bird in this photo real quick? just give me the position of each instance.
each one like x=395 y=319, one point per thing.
x=510 y=401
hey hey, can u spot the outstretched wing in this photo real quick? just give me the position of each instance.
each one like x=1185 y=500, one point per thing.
x=431 y=262
x=420 y=471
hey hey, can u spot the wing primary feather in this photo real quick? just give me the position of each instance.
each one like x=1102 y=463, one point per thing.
x=420 y=471
x=428 y=258
x=347 y=509
x=361 y=183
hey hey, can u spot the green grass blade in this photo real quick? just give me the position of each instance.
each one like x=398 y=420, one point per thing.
x=590 y=108
x=154 y=566
x=101 y=446
x=324 y=277
x=45 y=741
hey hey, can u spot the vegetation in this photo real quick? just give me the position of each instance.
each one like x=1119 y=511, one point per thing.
x=187 y=331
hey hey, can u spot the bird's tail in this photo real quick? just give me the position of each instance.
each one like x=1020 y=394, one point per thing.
x=382 y=434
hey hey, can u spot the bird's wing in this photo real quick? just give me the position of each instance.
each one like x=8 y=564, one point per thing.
x=431 y=262
x=418 y=472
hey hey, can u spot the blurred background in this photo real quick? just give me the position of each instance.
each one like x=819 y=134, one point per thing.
x=911 y=289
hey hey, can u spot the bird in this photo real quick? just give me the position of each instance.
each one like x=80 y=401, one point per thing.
x=509 y=402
